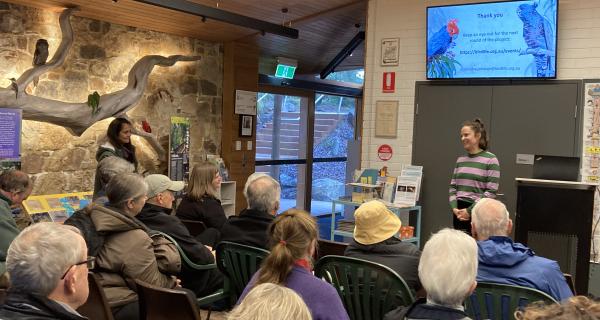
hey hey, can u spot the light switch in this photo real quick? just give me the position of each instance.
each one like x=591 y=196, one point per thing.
x=238 y=145
x=249 y=145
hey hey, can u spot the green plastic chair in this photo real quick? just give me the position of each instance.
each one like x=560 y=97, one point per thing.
x=206 y=300
x=368 y=290
x=238 y=263
x=500 y=301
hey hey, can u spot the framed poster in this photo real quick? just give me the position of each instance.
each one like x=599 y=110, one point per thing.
x=390 y=51
x=246 y=126
x=179 y=148
x=245 y=102
x=386 y=119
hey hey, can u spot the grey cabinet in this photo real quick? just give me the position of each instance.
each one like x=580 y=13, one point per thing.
x=530 y=118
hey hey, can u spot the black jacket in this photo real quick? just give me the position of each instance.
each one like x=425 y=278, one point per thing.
x=402 y=257
x=249 y=228
x=207 y=210
x=25 y=306
x=421 y=310
x=202 y=282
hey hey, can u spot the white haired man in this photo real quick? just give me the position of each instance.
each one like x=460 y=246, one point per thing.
x=250 y=228
x=447 y=271
x=48 y=268
x=503 y=261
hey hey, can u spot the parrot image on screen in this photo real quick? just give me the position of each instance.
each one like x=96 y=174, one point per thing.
x=440 y=61
x=539 y=38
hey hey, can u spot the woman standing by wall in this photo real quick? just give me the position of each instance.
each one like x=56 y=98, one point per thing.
x=476 y=174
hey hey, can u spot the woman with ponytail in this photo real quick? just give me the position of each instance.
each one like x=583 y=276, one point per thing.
x=293 y=235
x=476 y=174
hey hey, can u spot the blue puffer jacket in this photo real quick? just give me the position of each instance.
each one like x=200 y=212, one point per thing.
x=503 y=261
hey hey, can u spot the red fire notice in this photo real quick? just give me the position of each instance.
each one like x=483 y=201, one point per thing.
x=385 y=152
x=389 y=82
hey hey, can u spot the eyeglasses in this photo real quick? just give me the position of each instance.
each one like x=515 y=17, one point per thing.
x=90 y=262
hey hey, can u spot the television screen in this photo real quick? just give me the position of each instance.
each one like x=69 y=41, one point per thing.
x=512 y=39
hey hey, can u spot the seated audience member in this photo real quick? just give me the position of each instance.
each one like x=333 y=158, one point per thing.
x=447 y=271
x=107 y=168
x=574 y=308
x=250 y=228
x=156 y=215
x=15 y=187
x=128 y=251
x=270 y=301
x=201 y=202
x=48 y=268
x=375 y=240
x=293 y=239
x=503 y=261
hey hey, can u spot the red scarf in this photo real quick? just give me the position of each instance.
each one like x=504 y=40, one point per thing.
x=304 y=264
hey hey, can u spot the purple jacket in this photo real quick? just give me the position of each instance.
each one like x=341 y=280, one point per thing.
x=320 y=297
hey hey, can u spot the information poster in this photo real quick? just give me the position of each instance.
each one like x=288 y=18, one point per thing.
x=10 y=138
x=590 y=157
x=179 y=149
x=55 y=207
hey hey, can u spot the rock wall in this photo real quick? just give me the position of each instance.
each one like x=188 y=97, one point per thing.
x=99 y=60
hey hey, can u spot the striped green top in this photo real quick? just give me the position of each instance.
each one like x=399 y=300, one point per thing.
x=475 y=176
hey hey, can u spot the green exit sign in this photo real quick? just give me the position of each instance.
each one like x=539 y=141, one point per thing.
x=284 y=71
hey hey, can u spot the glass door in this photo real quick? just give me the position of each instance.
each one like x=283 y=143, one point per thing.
x=281 y=144
x=333 y=131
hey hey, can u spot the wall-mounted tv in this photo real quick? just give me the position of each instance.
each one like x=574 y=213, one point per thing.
x=492 y=40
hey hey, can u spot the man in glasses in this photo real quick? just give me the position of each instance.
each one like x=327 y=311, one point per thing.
x=15 y=186
x=48 y=268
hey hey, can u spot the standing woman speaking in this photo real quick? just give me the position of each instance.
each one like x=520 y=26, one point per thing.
x=476 y=174
x=118 y=144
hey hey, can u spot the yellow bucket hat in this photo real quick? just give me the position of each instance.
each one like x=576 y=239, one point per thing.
x=374 y=223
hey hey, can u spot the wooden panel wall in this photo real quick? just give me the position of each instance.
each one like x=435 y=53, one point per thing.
x=240 y=68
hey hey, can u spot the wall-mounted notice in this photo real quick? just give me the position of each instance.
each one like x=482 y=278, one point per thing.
x=590 y=153
x=179 y=149
x=10 y=138
x=386 y=119
x=245 y=102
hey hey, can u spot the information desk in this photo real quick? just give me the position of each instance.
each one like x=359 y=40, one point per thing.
x=554 y=218
x=414 y=217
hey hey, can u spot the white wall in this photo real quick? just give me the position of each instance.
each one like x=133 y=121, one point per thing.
x=578 y=58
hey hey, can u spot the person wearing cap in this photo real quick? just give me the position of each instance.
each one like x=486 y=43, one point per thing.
x=375 y=239
x=156 y=215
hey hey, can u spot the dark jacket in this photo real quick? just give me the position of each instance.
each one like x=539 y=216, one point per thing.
x=202 y=282
x=503 y=261
x=249 y=228
x=108 y=150
x=25 y=306
x=207 y=210
x=402 y=257
x=422 y=310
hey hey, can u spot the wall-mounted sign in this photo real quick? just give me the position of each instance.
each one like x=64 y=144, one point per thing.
x=179 y=149
x=10 y=138
x=245 y=102
x=389 y=82
x=386 y=118
x=385 y=152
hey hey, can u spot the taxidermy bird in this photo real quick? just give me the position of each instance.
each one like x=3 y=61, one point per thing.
x=538 y=36
x=441 y=41
x=14 y=86
x=94 y=102
x=40 y=56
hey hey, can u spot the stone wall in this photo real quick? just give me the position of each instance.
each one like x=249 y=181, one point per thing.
x=99 y=60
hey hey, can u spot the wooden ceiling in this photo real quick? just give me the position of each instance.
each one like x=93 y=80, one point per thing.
x=325 y=26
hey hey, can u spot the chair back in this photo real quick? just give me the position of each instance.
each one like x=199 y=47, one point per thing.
x=158 y=303
x=327 y=248
x=194 y=227
x=2 y=296
x=570 y=283
x=368 y=290
x=96 y=307
x=500 y=301
x=238 y=263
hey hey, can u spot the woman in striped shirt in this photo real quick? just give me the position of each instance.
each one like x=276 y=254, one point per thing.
x=476 y=174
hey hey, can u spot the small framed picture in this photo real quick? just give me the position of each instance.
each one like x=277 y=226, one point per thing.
x=390 y=51
x=245 y=126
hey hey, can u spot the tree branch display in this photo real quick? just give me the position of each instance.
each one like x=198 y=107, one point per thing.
x=78 y=117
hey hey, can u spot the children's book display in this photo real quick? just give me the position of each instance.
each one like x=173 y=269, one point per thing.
x=55 y=207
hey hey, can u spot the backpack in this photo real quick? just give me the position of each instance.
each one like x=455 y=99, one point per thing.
x=93 y=239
